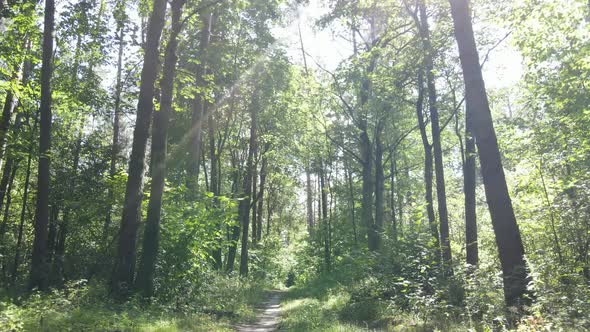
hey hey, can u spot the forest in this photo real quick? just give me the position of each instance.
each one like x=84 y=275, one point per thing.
x=294 y=165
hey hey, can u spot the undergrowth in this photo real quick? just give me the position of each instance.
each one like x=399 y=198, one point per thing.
x=82 y=306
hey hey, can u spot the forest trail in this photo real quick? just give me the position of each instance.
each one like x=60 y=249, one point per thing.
x=267 y=318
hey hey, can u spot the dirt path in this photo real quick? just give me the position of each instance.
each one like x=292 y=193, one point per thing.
x=267 y=318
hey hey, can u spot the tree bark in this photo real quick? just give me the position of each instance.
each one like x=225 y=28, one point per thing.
x=123 y=273
x=5 y=219
x=367 y=162
x=9 y=105
x=263 y=170
x=4 y=191
x=234 y=230
x=436 y=140
x=151 y=237
x=392 y=184
x=244 y=208
x=309 y=201
x=39 y=277
x=115 y=146
x=352 y=201
x=427 y=165
x=61 y=233
x=254 y=206
x=23 y=211
x=325 y=221
x=379 y=185
x=508 y=240
x=469 y=182
x=199 y=106
x=213 y=158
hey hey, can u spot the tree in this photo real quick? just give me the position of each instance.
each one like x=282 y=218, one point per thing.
x=39 y=276
x=151 y=237
x=436 y=140
x=244 y=207
x=199 y=104
x=123 y=273
x=508 y=240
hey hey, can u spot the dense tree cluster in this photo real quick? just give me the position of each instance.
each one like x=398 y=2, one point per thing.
x=147 y=145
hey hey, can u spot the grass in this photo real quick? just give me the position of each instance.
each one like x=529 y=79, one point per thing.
x=326 y=305
x=89 y=308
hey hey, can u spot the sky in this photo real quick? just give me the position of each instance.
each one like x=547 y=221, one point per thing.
x=502 y=70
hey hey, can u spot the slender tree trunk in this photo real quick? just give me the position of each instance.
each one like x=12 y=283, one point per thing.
x=53 y=215
x=213 y=158
x=39 y=276
x=367 y=158
x=9 y=105
x=392 y=196
x=379 y=185
x=61 y=233
x=5 y=217
x=309 y=201
x=254 y=235
x=234 y=235
x=352 y=202
x=244 y=208
x=325 y=228
x=508 y=240
x=269 y=210
x=469 y=182
x=551 y=213
x=115 y=146
x=436 y=140
x=151 y=237
x=4 y=191
x=367 y=189
x=122 y=278
x=427 y=165
x=261 y=193
x=23 y=211
x=199 y=106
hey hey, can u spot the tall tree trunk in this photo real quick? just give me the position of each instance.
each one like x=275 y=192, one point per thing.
x=244 y=208
x=23 y=211
x=5 y=217
x=269 y=211
x=508 y=240
x=61 y=234
x=469 y=182
x=39 y=276
x=9 y=105
x=122 y=278
x=115 y=146
x=213 y=158
x=427 y=165
x=352 y=202
x=367 y=189
x=234 y=231
x=199 y=105
x=151 y=236
x=263 y=171
x=367 y=161
x=4 y=190
x=392 y=184
x=254 y=201
x=53 y=214
x=379 y=185
x=441 y=195
x=309 y=201
x=325 y=226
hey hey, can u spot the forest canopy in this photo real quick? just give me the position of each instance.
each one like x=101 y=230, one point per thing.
x=383 y=165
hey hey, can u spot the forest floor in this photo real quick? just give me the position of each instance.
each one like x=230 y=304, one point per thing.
x=267 y=315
